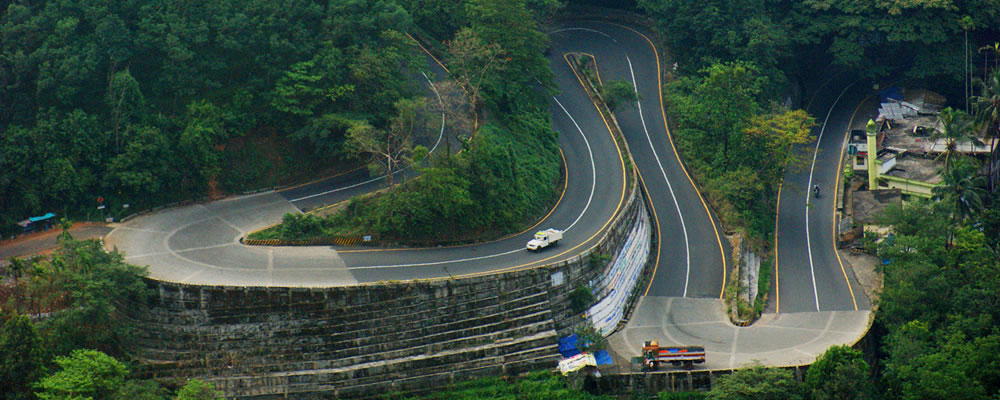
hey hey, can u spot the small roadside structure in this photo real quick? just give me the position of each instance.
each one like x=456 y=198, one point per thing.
x=903 y=144
x=36 y=224
x=868 y=204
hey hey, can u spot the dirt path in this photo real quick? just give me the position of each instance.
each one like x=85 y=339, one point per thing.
x=44 y=242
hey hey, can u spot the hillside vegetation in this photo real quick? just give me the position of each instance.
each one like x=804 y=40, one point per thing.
x=503 y=173
x=135 y=101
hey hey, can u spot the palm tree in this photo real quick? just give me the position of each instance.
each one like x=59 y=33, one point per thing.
x=963 y=189
x=987 y=111
x=956 y=126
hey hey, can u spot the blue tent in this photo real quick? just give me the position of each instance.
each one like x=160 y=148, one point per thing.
x=567 y=346
x=603 y=358
x=41 y=218
x=891 y=92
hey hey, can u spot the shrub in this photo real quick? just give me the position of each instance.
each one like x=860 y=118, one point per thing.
x=580 y=299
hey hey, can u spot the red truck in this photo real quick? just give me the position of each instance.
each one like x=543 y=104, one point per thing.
x=653 y=355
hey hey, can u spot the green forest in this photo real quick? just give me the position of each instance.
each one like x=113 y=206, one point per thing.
x=738 y=63
x=506 y=163
x=936 y=332
x=75 y=345
x=149 y=102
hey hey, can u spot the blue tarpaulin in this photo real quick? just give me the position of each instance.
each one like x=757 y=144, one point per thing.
x=603 y=358
x=567 y=346
x=41 y=218
x=892 y=92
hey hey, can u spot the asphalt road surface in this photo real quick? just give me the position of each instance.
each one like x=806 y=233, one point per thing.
x=199 y=244
x=810 y=276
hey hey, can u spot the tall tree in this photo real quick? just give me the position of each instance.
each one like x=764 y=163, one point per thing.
x=718 y=105
x=986 y=108
x=779 y=134
x=454 y=107
x=472 y=60
x=22 y=357
x=511 y=25
x=956 y=128
x=125 y=101
x=389 y=148
x=963 y=189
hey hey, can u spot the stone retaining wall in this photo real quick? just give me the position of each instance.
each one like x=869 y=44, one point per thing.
x=364 y=341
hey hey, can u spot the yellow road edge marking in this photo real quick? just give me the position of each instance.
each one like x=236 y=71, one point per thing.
x=659 y=236
x=621 y=200
x=777 y=212
x=320 y=179
x=563 y=194
x=428 y=52
x=833 y=229
x=597 y=70
x=659 y=90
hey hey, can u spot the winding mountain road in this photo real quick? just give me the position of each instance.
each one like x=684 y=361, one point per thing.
x=199 y=244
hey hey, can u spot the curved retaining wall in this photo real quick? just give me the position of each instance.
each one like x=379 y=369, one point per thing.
x=367 y=340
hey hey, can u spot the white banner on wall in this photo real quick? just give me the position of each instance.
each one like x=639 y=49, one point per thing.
x=619 y=280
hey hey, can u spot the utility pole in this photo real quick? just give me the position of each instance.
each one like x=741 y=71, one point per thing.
x=967 y=25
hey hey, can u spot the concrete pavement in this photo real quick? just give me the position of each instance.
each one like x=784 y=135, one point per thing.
x=785 y=339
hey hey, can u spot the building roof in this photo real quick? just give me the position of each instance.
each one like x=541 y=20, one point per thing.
x=868 y=204
x=917 y=168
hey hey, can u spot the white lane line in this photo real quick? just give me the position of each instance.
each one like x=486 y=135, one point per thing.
x=140 y=229
x=812 y=168
x=440 y=135
x=682 y=324
x=668 y=311
x=191 y=276
x=593 y=185
x=438 y=262
x=436 y=93
x=339 y=189
x=236 y=228
x=203 y=248
x=593 y=168
x=687 y=246
x=171 y=251
x=584 y=29
x=803 y=352
x=732 y=348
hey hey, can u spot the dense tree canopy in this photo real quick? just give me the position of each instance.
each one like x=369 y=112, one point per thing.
x=84 y=292
x=735 y=142
x=840 y=373
x=22 y=357
x=502 y=179
x=756 y=382
x=84 y=374
x=912 y=38
x=124 y=100
x=939 y=304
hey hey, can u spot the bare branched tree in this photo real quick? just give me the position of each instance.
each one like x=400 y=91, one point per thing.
x=454 y=106
x=473 y=59
x=390 y=149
